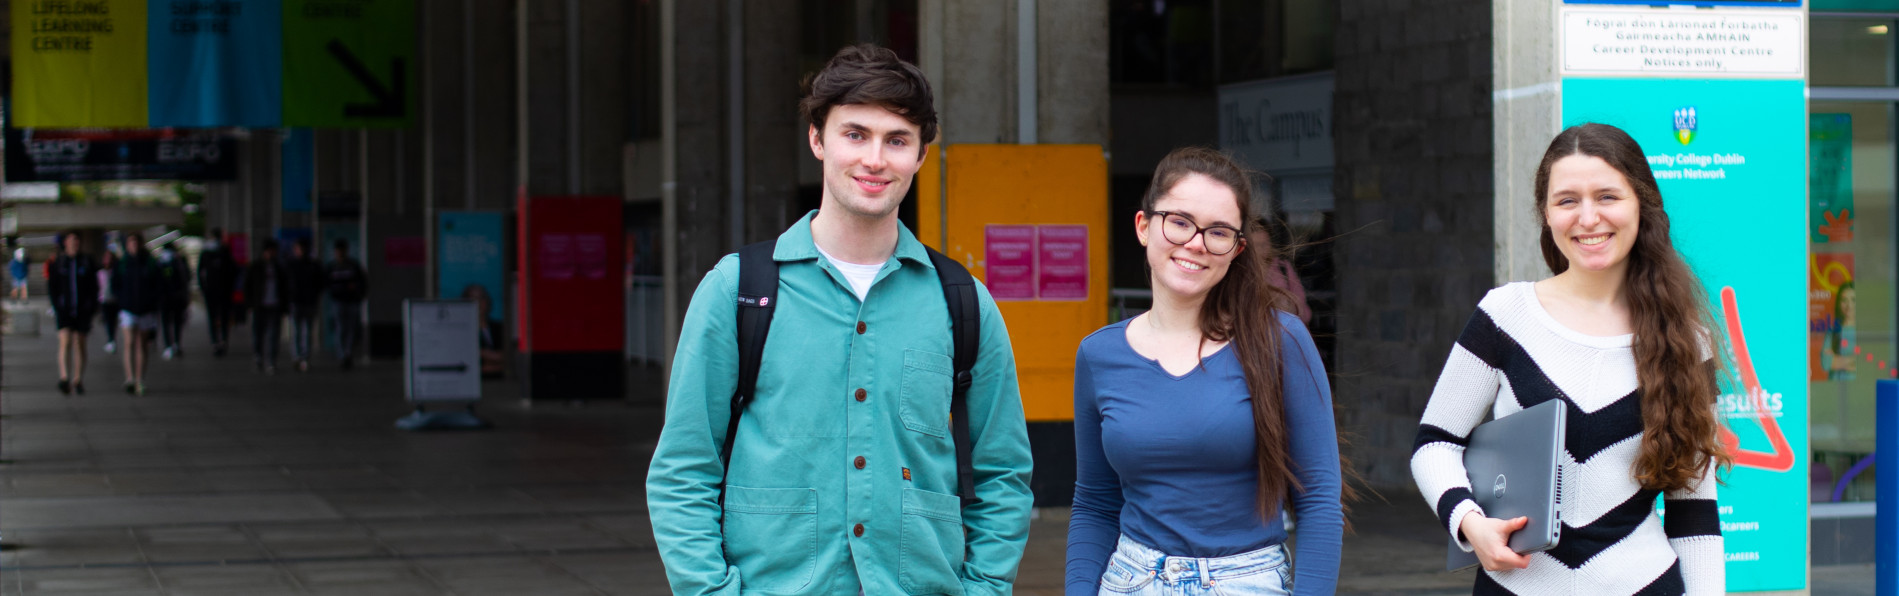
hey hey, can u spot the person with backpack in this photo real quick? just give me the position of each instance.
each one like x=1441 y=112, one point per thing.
x=875 y=443
x=171 y=314
x=267 y=287
x=348 y=287
x=139 y=282
x=217 y=281
x=306 y=297
x=72 y=284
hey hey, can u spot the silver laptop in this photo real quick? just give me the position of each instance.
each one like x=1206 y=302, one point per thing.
x=1515 y=468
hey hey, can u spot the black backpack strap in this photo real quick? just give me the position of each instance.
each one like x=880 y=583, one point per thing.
x=757 y=294
x=959 y=292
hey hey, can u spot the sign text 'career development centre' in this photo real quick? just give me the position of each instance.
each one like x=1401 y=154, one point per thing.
x=1705 y=43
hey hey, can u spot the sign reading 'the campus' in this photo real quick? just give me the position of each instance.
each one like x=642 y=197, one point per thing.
x=211 y=63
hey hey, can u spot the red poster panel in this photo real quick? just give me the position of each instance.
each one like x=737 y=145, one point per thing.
x=1062 y=267
x=1009 y=261
x=405 y=251
x=572 y=303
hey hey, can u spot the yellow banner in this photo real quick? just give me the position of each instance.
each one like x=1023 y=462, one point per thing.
x=79 y=63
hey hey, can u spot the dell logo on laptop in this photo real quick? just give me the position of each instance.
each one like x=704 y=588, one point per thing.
x=1498 y=489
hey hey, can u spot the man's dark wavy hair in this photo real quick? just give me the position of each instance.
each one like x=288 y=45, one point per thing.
x=868 y=74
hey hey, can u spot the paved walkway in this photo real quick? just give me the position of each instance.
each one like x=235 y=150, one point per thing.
x=223 y=481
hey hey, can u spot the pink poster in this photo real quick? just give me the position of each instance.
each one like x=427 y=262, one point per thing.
x=557 y=256
x=1009 y=261
x=592 y=251
x=1063 y=262
x=405 y=251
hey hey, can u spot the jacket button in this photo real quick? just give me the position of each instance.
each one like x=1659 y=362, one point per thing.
x=860 y=327
x=862 y=394
x=858 y=531
x=859 y=462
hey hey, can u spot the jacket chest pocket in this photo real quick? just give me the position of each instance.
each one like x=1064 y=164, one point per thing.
x=926 y=392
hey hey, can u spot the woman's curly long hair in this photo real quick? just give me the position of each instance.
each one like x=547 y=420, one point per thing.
x=1674 y=328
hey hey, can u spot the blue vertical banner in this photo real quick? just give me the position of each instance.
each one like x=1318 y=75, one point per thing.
x=469 y=247
x=1730 y=156
x=215 y=63
x=299 y=170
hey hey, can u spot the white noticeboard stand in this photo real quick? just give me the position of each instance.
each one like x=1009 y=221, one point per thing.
x=442 y=361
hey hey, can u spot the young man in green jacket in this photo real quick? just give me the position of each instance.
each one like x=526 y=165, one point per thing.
x=843 y=472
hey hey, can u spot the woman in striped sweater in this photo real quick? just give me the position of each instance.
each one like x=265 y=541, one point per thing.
x=1621 y=334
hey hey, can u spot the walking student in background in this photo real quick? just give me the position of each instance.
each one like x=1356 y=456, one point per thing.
x=16 y=271
x=1200 y=420
x=72 y=284
x=139 y=282
x=177 y=301
x=217 y=281
x=1622 y=334
x=843 y=475
x=108 y=301
x=267 y=288
x=348 y=287
x=306 y=298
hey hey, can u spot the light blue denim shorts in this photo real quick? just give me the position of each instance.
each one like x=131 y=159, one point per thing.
x=1142 y=571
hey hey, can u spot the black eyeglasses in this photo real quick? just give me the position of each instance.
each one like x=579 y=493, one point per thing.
x=1179 y=229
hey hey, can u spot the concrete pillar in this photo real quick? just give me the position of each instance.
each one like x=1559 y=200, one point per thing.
x=572 y=125
x=1415 y=204
x=1072 y=89
x=1528 y=113
x=774 y=134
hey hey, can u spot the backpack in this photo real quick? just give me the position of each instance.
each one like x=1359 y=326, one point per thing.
x=757 y=297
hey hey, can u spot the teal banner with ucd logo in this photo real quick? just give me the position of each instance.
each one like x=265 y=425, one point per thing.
x=1731 y=159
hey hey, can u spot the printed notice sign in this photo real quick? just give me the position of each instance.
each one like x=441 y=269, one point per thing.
x=443 y=350
x=1009 y=262
x=1062 y=262
x=1702 y=43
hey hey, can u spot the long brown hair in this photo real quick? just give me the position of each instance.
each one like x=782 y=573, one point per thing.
x=1674 y=328
x=1242 y=309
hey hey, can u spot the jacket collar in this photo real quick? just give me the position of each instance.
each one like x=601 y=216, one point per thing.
x=796 y=244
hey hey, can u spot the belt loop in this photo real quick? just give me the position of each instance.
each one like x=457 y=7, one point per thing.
x=1206 y=579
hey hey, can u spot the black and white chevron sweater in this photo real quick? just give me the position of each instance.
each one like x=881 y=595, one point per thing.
x=1513 y=355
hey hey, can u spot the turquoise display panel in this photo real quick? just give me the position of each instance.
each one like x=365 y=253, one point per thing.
x=1730 y=157
x=215 y=63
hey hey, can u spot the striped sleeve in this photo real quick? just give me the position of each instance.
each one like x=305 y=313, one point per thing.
x=1465 y=389
x=1693 y=525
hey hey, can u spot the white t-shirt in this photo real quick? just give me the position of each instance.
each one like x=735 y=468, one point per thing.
x=860 y=276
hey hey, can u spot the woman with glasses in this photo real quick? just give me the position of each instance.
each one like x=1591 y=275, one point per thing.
x=1198 y=421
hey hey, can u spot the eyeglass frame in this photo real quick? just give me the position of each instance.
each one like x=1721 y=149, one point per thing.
x=1239 y=236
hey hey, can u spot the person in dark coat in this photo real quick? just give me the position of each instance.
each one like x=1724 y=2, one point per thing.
x=171 y=313
x=267 y=291
x=306 y=298
x=72 y=284
x=139 y=282
x=348 y=285
x=109 y=302
x=217 y=281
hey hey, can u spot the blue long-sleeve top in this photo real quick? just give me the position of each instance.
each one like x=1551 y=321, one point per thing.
x=1169 y=460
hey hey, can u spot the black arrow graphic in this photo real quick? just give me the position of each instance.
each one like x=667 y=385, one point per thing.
x=457 y=367
x=389 y=103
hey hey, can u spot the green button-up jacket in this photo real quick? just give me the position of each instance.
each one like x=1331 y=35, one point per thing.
x=850 y=429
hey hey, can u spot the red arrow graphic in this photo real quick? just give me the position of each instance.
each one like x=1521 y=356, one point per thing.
x=1781 y=459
